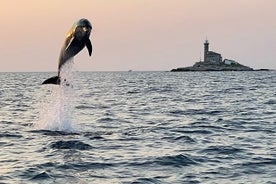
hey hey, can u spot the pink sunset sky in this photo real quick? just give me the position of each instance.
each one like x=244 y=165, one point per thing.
x=137 y=34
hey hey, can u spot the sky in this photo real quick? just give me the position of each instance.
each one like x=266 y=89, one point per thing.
x=142 y=35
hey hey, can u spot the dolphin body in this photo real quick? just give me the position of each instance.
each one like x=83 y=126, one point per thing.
x=77 y=38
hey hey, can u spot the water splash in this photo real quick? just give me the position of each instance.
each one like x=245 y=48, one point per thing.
x=57 y=107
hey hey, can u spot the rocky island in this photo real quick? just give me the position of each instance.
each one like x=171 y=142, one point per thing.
x=213 y=62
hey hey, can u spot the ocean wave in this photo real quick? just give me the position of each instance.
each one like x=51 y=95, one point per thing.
x=41 y=176
x=54 y=133
x=175 y=160
x=9 y=135
x=225 y=150
x=196 y=131
x=78 y=145
x=182 y=138
x=146 y=181
x=172 y=161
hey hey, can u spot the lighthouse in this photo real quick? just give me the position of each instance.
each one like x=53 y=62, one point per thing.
x=206 y=50
x=210 y=56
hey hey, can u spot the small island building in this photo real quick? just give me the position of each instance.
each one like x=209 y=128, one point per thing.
x=214 y=57
x=210 y=56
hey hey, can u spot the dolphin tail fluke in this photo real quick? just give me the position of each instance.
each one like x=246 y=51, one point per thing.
x=52 y=80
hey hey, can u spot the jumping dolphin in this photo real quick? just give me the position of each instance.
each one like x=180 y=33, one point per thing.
x=77 y=38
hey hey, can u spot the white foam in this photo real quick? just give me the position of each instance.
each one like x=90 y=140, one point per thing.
x=57 y=107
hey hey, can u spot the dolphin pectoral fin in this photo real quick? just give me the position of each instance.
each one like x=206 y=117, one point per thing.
x=89 y=47
x=52 y=80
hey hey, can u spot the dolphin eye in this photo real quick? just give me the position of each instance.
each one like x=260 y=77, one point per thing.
x=84 y=29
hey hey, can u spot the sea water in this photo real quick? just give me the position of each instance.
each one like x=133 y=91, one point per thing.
x=139 y=127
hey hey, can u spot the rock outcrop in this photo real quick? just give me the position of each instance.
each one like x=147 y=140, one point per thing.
x=213 y=66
